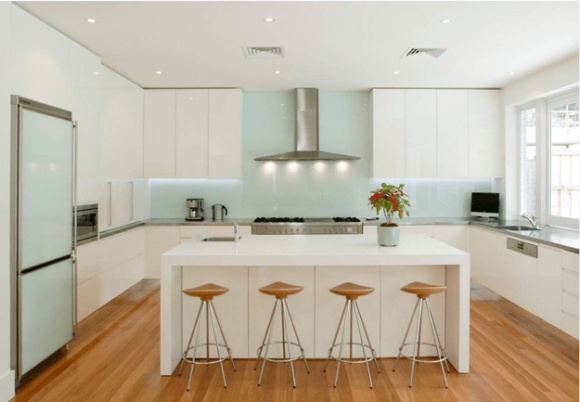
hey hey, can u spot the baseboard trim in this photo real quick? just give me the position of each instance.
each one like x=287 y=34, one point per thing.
x=7 y=386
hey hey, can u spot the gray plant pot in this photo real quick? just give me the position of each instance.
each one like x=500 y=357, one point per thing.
x=388 y=236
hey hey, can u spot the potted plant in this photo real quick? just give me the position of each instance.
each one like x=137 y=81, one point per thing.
x=391 y=200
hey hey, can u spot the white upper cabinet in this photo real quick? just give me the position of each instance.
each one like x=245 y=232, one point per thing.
x=424 y=133
x=388 y=133
x=452 y=133
x=421 y=133
x=485 y=146
x=159 y=133
x=191 y=135
x=225 y=133
x=121 y=127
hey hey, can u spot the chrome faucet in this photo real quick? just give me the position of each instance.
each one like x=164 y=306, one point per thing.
x=533 y=220
x=236 y=232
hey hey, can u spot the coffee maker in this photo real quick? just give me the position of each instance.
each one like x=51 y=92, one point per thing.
x=195 y=206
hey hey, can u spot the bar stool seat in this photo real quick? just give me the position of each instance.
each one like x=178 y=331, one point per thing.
x=207 y=291
x=281 y=290
x=352 y=291
x=422 y=290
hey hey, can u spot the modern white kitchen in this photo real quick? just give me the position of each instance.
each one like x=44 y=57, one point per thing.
x=242 y=201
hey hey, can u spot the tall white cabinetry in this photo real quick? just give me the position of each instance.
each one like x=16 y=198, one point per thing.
x=421 y=133
x=193 y=133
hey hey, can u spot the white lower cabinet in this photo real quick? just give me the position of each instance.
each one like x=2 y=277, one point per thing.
x=329 y=306
x=108 y=267
x=301 y=308
x=234 y=325
x=544 y=286
x=395 y=318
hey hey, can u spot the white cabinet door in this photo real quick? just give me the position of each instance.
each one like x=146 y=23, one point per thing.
x=121 y=203
x=485 y=145
x=418 y=229
x=191 y=136
x=388 y=133
x=452 y=133
x=421 y=133
x=452 y=235
x=548 y=302
x=141 y=200
x=159 y=133
x=225 y=133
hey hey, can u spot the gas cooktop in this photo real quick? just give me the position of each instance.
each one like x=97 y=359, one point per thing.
x=312 y=225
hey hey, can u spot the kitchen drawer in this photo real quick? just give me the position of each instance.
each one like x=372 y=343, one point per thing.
x=570 y=261
x=570 y=281
x=570 y=303
x=570 y=324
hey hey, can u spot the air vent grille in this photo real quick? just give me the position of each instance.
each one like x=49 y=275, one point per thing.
x=264 y=52
x=415 y=51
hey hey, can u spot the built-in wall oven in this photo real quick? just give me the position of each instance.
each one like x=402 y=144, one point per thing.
x=87 y=223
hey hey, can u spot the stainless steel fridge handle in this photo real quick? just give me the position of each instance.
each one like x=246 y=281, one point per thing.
x=110 y=221
x=132 y=199
x=74 y=256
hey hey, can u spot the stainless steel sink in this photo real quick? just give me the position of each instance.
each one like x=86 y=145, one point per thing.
x=517 y=228
x=220 y=238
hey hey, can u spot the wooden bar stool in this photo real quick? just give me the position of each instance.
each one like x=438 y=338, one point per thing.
x=281 y=290
x=423 y=291
x=206 y=293
x=352 y=292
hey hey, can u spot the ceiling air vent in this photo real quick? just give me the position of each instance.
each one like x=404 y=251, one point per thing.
x=414 y=51
x=264 y=52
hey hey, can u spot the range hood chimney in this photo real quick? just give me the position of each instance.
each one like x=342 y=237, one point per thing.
x=306 y=125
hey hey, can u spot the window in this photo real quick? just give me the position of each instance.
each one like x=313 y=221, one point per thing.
x=528 y=161
x=563 y=154
x=549 y=169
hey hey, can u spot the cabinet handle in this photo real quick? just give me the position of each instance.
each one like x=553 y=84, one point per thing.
x=110 y=222
x=132 y=203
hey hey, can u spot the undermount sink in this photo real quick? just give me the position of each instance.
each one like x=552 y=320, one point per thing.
x=220 y=238
x=517 y=228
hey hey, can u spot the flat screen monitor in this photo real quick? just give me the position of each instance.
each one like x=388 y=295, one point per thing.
x=485 y=205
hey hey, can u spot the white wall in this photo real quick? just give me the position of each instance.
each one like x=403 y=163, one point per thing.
x=6 y=375
x=559 y=77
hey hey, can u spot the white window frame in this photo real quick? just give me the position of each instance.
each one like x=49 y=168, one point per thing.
x=520 y=109
x=550 y=103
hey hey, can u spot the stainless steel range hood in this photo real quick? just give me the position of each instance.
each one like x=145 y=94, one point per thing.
x=306 y=123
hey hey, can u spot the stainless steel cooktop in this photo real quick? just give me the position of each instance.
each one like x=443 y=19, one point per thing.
x=311 y=225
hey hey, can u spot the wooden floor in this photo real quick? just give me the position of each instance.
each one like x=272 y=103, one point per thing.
x=514 y=357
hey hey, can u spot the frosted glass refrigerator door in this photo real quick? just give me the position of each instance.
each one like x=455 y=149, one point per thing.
x=46 y=188
x=47 y=312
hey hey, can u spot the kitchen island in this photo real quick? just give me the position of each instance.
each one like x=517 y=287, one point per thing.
x=317 y=263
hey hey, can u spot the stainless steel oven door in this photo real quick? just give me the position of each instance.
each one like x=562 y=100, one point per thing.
x=87 y=224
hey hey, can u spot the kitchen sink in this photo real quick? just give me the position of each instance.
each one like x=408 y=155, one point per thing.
x=516 y=228
x=220 y=238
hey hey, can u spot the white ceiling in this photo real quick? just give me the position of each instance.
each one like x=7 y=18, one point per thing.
x=329 y=45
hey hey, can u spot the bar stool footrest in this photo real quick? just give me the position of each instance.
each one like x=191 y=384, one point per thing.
x=362 y=360
x=191 y=361
x=443 y=352
x=281 y=360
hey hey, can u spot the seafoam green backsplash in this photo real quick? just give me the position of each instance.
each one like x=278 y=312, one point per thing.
x=309 y=188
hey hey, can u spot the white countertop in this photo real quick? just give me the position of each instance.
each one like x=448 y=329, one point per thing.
x=323 y=250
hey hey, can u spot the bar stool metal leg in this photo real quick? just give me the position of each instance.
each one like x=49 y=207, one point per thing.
x=296 y=333
x=368 y=338
x=406 y=334
x=217 y=345
x=191 y=337
x=335 y=335
x=436 y=333
x=268 y=344
x=358 y=320
x=266 y=335
x=415 y=345
x=203 y=304
x=436 y=338
x=223 y=336
x=342 y=342
x=285 y=326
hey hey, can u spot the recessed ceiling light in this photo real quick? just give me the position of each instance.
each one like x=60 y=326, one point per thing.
x=511 y=73
x=91 y=20
x=158 y=72
x=97 y=73
x=445 y=21
x=395 y=72
x=276 y=72
x=269 y=19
